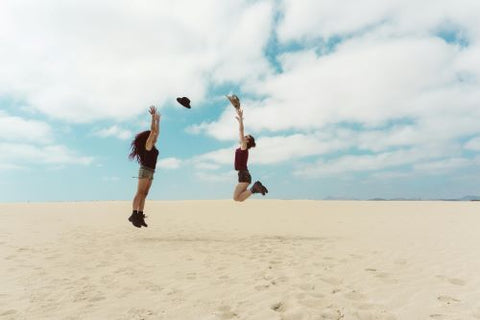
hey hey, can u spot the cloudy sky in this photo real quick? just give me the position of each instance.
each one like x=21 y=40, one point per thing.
x=354 y=99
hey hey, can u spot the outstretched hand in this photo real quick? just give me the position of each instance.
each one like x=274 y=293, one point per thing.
x=239 y=116
x=152 y=111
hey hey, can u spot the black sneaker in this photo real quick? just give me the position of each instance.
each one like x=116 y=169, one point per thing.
x=134 y=219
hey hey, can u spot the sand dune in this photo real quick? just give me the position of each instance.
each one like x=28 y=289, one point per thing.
x=255 y=260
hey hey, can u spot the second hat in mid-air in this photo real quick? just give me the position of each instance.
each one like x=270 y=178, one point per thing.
x=184 y=101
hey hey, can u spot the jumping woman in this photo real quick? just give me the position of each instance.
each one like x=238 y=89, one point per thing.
x=144 y=151
x=241 y=192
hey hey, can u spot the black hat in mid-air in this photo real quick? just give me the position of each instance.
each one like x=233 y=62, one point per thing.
x=184 y=101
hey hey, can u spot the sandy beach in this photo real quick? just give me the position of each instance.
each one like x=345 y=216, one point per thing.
x=269 y=259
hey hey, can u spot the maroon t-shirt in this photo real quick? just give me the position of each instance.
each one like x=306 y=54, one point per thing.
x=241 y=158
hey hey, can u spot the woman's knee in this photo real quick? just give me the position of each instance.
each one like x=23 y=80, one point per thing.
x=237 y=198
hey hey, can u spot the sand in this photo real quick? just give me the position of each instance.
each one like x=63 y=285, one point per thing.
x=262 y=259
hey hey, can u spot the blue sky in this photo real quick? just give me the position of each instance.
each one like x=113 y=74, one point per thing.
x=345 y=99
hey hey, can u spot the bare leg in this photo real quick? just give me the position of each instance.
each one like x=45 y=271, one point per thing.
x=142 y=190
x=141 y=204
x=241 y=193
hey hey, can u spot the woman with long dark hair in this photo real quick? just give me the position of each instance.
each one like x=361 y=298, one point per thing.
x=144 y=151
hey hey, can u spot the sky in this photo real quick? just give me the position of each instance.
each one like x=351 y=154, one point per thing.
x=345 y=98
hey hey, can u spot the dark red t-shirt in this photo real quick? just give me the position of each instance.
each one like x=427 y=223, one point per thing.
x=241 y=158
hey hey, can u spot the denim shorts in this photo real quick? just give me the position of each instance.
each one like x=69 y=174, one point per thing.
x=145 y=173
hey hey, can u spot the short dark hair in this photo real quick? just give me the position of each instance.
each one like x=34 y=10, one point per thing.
x=250 y=142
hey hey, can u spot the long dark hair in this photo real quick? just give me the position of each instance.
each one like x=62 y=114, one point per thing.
x=251 y=142
x=138 y=145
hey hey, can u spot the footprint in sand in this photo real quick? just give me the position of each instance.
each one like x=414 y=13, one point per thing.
x=263 y=286
x=311 y=302
x=379 y=314
x=366 y=306
x=297 y=314
x=400 y=262
x=8 y=312
x=280 y=280
x=457 y=282
x=447 y=300
x=154 y=287
x=225 y=312
x=137 y=313
x=279 y=307
x=191 y=276
x=332 y=281
x=354 y=295
x=386 y=277
x=454 y=281
x=96 y=298
x=306 y=286
x=476 y=314
x=330 y=314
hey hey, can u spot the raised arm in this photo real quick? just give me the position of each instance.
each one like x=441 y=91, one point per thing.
x=154 y=128
x=241 y=131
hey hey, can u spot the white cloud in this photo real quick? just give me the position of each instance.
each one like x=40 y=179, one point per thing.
x=473 y=144
x=310 y=19
x=217 y=177
x=114 y=131
x=169 y=163
x=81 y=61
x=13 y=128
x=392 y=88
x=224 y=129
x=220 y=157
x=7 y=166
x=391 y=175
x=370 y=162
x=270 y=150
x=367 y=83
x=207 y=166
x=20 y=154
x=25 y=142
x=443 y=166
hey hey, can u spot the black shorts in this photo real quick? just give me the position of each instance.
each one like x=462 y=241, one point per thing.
x=244 y=176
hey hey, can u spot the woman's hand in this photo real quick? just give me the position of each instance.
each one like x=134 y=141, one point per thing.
x=157 y=116
x=152 y=111
x=239 y=116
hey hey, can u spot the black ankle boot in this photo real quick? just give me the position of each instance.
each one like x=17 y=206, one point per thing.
x=134 y=219
x=141 y=218
x=257 y=187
